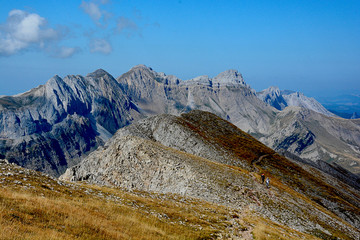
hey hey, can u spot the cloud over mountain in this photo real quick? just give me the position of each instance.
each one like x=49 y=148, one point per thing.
x=126 y=26
x=100 y=46
x=93 y=9
x=24 y=30
x=64 y=52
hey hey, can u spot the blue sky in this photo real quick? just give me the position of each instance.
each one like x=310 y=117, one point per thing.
x=308 y=46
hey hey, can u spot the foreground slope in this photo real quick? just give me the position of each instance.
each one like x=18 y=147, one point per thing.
x=36 y=206
x=203 y=156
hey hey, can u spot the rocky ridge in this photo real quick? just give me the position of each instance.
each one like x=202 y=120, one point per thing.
x=55 y=125
x=226 y=95
x=221 y=168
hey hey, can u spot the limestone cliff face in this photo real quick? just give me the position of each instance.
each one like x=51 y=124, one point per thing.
x=76 y=114
x=53 y=126
x=201 y=155
x=226 y=95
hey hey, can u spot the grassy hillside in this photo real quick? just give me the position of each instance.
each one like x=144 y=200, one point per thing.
x=36 y=206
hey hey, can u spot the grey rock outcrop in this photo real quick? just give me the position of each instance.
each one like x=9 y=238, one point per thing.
x=54 y=125
x=226 y=95
x=314 y=136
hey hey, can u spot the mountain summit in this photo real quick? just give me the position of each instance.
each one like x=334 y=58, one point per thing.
x=229 y=77
x=55 y=125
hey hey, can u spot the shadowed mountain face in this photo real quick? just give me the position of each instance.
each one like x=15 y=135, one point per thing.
x=201 y=155
x=53 y=126
x=316 y=137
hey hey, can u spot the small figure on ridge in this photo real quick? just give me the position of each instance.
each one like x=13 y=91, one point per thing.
x=267 y=182
x=262 y=178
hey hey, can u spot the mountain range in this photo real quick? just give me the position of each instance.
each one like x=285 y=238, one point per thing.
x=54 y=126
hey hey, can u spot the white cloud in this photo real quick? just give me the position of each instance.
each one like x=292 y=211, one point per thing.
x=24 y=30
x=100 y=46
x=92 y=10
x=127 y=26
x=64 y=52
x=98 y=15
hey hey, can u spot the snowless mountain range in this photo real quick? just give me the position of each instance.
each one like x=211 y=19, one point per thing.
x=204 y=139
x=55 y=125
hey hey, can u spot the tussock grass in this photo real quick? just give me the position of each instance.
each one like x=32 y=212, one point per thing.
x=27 y=216
x=265 y=229
x=40 y=207
x=35 y=206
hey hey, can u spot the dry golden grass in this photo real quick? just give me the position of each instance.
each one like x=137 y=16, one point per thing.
x=27 y=216
x=34 y=206
x=40 y=208
x=267 y=230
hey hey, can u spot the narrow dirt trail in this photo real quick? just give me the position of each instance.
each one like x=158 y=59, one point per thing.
x=254 y=162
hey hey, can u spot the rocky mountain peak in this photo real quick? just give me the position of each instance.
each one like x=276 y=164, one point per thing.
x=141 y=68
x=272 y=91
x=146 y=76
x=229 y=77
x=273 y=97
x=200 y=80
x=98 y=73
x=56 y=78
